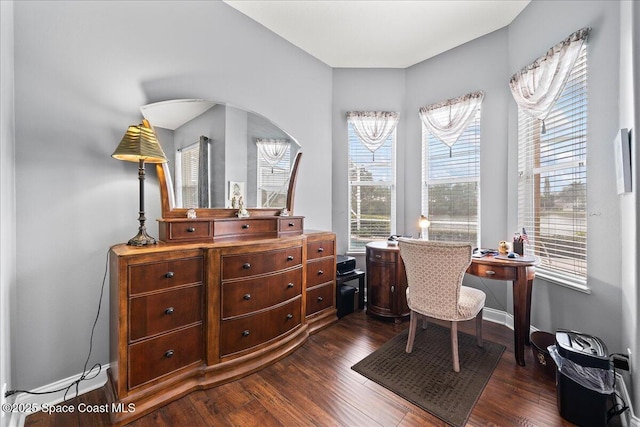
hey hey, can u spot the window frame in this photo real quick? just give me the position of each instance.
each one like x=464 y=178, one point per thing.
x=262 y=164
x=533 y=177
x=179 y=184
x=427 y=138
x=392 y=185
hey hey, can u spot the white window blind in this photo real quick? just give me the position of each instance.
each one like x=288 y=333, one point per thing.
x=451 y=184
x=371 y=191
x=189 y=175
x=552 y=183
x=273 y=180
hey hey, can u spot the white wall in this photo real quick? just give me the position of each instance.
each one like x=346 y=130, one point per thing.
x=82 y=70
x=629 y=113
x=7 y=197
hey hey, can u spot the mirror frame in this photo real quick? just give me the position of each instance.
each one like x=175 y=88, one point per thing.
x=169 y=210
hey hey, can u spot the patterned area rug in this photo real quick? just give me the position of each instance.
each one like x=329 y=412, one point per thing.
x=426 y=378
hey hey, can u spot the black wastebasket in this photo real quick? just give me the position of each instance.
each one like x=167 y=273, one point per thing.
x=540 y=342
x=584 y=378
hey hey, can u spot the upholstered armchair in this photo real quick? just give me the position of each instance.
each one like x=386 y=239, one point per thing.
x=434 y=276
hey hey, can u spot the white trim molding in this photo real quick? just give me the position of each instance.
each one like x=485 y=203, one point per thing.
x=34 y=402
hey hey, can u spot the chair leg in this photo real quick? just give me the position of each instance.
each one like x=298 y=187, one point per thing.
x=479 y=329
x=413 y=323
x=454 y=346
x=424 y=321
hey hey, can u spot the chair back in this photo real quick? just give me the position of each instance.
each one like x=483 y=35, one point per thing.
x=434 y=275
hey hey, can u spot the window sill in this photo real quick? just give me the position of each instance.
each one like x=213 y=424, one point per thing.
x=565 y=282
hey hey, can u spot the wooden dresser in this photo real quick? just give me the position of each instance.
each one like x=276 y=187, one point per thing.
x=186 y=316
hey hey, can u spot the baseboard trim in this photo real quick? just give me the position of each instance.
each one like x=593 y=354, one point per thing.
x=497 y=316
x=17 y=419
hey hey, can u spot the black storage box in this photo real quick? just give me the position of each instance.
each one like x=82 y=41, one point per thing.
x=345 y=301
x=345 y=264
x=584 y=379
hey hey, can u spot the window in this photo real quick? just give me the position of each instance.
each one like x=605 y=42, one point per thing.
x=371 y=191
x=187 y=176
x=451 y=183
x=273 y=179
x=552 y=181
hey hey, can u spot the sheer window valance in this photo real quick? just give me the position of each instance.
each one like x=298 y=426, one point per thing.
x=272 y=150
x=373 y=127
x=537 y=86
x=449 y=119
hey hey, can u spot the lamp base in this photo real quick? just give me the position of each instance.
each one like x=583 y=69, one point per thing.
x=142 y=239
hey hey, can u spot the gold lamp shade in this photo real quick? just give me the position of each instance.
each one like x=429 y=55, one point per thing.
x=140 y=143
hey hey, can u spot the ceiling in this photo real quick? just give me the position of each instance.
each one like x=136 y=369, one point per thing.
x=379 y=33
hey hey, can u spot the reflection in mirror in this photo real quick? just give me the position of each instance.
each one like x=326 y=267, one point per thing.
x=221 y=156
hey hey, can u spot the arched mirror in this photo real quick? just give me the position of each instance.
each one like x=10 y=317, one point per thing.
x=220 y=156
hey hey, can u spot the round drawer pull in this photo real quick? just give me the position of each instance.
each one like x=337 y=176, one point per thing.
x=247 y=297
x=291 y=224
x=246 y=266
x=169 y=354
x=169 y=275
x=191 y=229
x=289 y=316
x=169 y=310
x=290 y=285
x=290 y=258
x=245 y=333
x=490 y=272
x=320 y=249
x=320 y=272
x=245 y=226
x=320 y=299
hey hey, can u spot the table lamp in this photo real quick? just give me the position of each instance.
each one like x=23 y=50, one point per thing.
x=140 y=144
x=424 y=223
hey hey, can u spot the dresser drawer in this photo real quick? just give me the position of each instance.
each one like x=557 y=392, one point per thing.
x=319 y=249
x=246 y=332
x=189 y=230
x=153 y=358
x=320 y=298
x=290 y=225
x=163 y=275
x=383 y=256
x=161 y=312
x=320 y=271
x=235 y=227
x=246 y=296
x=492 y=272
x=251 y=264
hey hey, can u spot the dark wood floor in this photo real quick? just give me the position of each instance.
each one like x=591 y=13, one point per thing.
x=315 y=386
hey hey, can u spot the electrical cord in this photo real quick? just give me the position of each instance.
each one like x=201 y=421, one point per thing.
x=617 y=408
x=492 y=294
x=86 y=374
